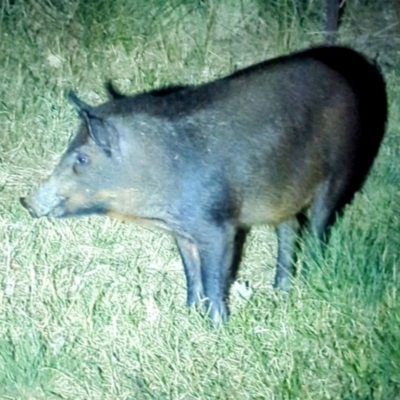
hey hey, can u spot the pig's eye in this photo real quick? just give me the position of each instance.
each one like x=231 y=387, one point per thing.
x=82 y=159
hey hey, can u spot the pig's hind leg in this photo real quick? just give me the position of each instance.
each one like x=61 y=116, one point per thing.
x=287 y=233
x=330 y=198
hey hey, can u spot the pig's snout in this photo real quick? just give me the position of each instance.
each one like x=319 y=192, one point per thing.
x=44 y=202
x=25 y=204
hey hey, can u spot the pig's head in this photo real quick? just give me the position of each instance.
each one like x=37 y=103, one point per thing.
x=87 y=173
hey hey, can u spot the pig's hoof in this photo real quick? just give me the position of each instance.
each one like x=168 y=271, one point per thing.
x=283 y=284
x=218 y=316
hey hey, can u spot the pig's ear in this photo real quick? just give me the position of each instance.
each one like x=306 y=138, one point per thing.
x=112 y=92
x=102 y=132
x=80 y=105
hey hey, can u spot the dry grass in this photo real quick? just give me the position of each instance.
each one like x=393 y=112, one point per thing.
x=94 y=309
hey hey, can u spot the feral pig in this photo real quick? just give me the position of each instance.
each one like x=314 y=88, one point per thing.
x=288 y=137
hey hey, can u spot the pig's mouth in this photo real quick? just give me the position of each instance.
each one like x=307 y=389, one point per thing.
x=57 y=211
x=62 y=209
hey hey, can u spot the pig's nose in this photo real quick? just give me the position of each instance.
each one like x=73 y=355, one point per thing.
x=25 y=204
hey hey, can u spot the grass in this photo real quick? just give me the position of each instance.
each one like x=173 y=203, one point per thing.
x=94 y=309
